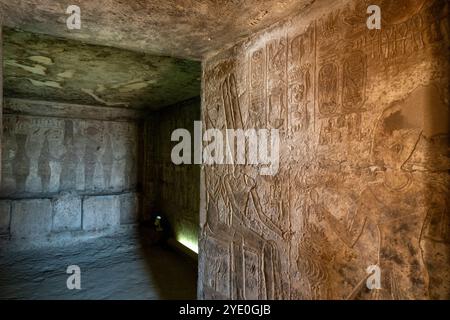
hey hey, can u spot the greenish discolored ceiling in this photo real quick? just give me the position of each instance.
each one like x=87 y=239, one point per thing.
x=46 y=68
x=192 y=29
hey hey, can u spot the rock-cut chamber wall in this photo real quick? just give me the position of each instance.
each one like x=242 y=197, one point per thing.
x=363 y=177
x=65 y=174
x=168 y=189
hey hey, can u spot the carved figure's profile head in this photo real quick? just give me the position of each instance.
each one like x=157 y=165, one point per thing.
x=401 y=125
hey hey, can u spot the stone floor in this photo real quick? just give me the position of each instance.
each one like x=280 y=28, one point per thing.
x=120 y=266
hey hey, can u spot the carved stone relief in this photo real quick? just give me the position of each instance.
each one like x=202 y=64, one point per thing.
x=45 y=156
x=363 y=179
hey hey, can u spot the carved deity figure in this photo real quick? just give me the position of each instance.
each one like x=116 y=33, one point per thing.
x=398 y=207
x=235 y=216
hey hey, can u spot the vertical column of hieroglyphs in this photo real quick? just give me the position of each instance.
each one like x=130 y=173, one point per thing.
x=301 y=67
x=330 y=178
x=257 y=77
x=239 y=258
x=271 y=194
x=276 y=107
x=376 y=93
x=215 y=243
x=363 y=178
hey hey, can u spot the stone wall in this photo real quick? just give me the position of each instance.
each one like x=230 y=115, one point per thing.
x=40 y=219
x=363 y=178
x=68 y=172
x=1 y=91
x=172 y=190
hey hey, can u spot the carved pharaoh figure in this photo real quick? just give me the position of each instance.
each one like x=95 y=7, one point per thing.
x=398 y=207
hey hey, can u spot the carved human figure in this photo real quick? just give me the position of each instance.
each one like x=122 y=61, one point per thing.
x=107 y=160
x=230 y=198
x=237 y=183
x=123 y=154
x=94 y=136
x=67 y=180
x=398 y=206
x=9 y=151
x=233 y=205
x=44 y=169
x=21 y=163
x=56 y=151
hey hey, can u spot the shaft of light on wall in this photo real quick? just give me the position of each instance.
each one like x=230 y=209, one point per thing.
x=189 y=243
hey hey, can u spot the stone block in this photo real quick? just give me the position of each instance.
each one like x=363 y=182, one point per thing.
x=5 y=216
x=101 y=212
x=31 y=218
x=129 y=208
x=67 y=213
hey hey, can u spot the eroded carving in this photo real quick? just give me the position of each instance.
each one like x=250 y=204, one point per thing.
x=328 y=89
x=363 y=178
x=353 y=82
x=50 y=155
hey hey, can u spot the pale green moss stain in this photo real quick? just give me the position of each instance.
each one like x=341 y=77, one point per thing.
x=51 y=84
x=39 y=66
x=36 y=69
x=41 y=60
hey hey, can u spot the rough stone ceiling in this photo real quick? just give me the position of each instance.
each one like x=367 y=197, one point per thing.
x=47 y=68
x=179 y=28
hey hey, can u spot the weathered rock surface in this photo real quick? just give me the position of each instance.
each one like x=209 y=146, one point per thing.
x=42 y=67
x=67 y=213
x=5 y=216
x=120 y=266
x=101 y=212
x=31 y=218
x=169 y=189
x=363 y=178
x=187 y=29
x=47 y=155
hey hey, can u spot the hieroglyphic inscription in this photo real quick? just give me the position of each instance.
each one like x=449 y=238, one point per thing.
x=257 y=88
x=276 y=110
x=353 y=81
x=301 y=79
x=367 y=183
x=252 y=274
x=341 y=129
x=328 y=88
x=405 y=37
x=218 y=269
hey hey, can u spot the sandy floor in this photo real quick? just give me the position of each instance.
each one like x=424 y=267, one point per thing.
x=112 y=267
